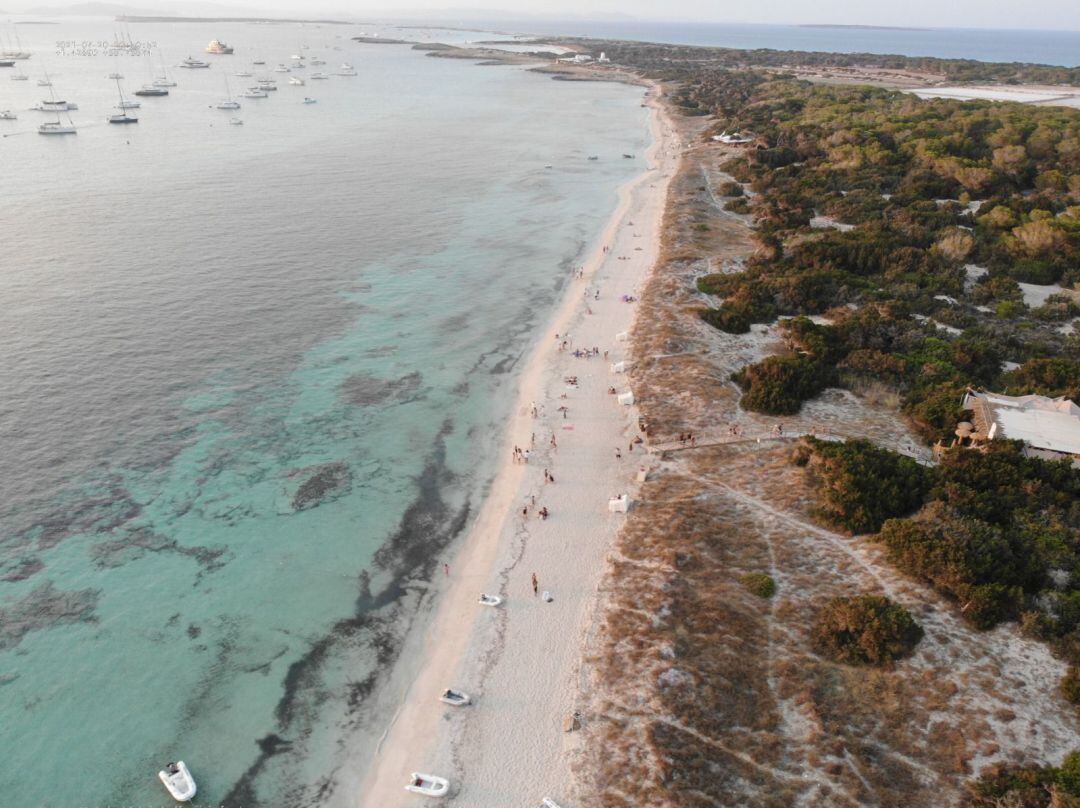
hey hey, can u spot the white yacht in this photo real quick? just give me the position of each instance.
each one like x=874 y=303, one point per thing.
x=267 y=85
x=218 y=47
x=258 y=62
x=57 y=128
x=163 y=81
x=244 y=74
x=44 y=83
x=296 y=81
x=55 y=106
x=124 y=105
x=235 y=122
x=317 y=61
x=178 y=781
x=318 y=77
x=8 y=115
x=309 y=100
x=193 y=64
x=151 y=90
x=281 y=69
x=254 y=92
x=228 y=103
x=346 y=70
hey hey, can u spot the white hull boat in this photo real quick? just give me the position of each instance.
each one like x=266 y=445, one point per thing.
x=309 y=100
x=489 y=600
x=235 y=122
x=55 y=106
x=8 y=115
x=56 y=128
x=164 y=81
x=229 y=105
x=193 y=64
x=318 y=76
x=254 y=94
x=455 y=698
x=428 y=784
x=178 y=781
x=296 y=81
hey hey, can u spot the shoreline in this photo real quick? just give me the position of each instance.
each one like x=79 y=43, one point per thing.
x=521 y=673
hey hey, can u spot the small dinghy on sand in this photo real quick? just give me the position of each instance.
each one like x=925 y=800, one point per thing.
x=489 y=600
x=455 y=698
x=428 y=784
x=178 y=780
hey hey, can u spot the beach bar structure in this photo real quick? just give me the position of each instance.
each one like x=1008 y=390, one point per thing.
x=1048 y=427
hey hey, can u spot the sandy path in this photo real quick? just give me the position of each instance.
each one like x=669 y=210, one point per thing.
x=520 y=662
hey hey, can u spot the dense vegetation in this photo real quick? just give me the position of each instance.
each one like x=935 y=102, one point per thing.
x=1030 y=787
x=997 y=532
x=865 y=630
x=691 y=64
x=925 y=189
x=760 y=584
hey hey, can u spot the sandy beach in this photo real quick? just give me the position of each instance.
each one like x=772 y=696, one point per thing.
x=521 y=661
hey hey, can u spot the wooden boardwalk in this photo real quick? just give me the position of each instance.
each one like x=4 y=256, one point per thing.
x=922 y=454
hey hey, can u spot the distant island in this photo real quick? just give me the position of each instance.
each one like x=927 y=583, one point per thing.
x=863 y=27
x=142 y=18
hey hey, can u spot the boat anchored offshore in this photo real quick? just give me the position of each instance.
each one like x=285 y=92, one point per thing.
x=218 y=47
x=296 y=81
x=178 y=781
x=318 y=77
x=8 y=115
x=57 y=128
x=309 y=100
x=193 y=64
x=149 y=90
x=55 y=106
x=123 y=106
x=428 y=784
x=346 y=70
x=235 y=122
x=254 y=92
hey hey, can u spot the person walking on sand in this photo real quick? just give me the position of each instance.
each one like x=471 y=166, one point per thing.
x=554 y=445
x=446 y=569
x=618 y=454
x=536 y=584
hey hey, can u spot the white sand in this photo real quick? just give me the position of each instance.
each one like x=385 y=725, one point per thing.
x=521 y=661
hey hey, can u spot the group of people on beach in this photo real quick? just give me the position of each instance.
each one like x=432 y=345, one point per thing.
x=521 y=455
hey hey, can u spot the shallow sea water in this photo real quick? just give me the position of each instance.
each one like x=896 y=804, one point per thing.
x=251 y=383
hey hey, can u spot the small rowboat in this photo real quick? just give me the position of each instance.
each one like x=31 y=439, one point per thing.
x=178 y=780
x=428 y=784
x=454 y=698
x=489 y=600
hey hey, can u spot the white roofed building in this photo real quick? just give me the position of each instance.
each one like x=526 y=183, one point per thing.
x=1048 y=427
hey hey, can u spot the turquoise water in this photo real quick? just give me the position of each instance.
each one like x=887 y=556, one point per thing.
x=252 y=381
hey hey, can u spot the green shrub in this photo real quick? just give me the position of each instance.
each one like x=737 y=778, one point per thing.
x=861 y=485
x=778 y=385
x=759 y=583
x=865 y=630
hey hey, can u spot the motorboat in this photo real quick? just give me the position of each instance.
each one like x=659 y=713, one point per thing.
x=281 y=69
x=56 y=106
x=243 y=74
x=7 y=63
x=455 y=698
x=428 y=784
x=309 y=100
x=163 y=81
x=57 y=128
x=267 y=85
x=254 y=92
x=346 y=69
x=594 y=157
x=489 y=600
x=149 y=90
x=44 y=83
x=317 y=62
x=318 y=77
x=115 y=76
x=258 y=62
x=229 y=104
x=235 y=122
x=296 y=81
x=193 y=64
x=296 y=57
x=122 y=117
x=218 y=47
x=125 y=104
x=18 y=77
x=178 y=781
x=628 y=156
x=8 y=115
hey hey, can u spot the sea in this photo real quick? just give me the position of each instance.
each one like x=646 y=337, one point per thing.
x=253 y=378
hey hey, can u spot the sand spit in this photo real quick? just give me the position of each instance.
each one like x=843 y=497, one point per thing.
x=520 y=662
x=696 y=691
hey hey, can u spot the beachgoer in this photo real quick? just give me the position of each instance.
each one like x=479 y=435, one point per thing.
x=446 y=569
x=525 y=512
x=536 y=584
x=544 y=512
x=618 y=454
x=554 y=445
